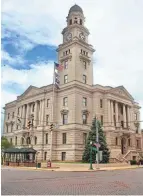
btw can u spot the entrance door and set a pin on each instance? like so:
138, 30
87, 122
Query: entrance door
63, 156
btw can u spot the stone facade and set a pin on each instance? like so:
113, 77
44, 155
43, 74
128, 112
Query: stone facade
72, 107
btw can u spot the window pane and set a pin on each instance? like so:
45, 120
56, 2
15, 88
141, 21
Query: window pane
65, 118
84, 79
47, 119
64, 138
84, 118
66, 64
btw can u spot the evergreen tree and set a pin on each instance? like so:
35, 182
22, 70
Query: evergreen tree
5, 143
102, 142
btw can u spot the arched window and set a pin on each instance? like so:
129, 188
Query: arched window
28, 140
35, 140
116, 141
80, 21
16, 140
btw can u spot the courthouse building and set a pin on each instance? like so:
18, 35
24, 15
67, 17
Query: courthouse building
72, 106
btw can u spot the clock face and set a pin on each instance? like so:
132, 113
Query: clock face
82, 36
68, 37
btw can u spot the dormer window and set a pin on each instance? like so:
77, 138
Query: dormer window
80, 22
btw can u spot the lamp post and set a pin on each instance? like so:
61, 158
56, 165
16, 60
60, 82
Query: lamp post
97, 142
91, 168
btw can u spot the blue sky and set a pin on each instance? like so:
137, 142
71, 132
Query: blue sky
31, 32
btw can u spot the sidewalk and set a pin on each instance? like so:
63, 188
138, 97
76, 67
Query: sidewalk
77, 169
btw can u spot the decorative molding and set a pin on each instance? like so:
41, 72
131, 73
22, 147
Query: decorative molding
85, 111
64, 111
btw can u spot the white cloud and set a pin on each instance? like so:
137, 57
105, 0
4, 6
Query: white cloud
11, 60
39, 75
116, 29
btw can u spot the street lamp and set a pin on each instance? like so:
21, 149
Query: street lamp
91, 168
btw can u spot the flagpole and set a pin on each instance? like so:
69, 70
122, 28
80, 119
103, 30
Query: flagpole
52, 113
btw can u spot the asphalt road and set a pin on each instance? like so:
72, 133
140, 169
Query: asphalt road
119, 182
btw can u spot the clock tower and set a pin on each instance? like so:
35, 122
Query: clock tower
75, 53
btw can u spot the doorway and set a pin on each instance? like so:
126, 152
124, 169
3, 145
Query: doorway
63, 156
123, 145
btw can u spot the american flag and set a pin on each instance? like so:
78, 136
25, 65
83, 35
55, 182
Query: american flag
58, 66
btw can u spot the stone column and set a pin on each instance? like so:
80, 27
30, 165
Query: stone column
109, 113
124, 116
116, 113
27, 113
35, 114
40, 117
23, 116
128, 114
42, 114
112, 112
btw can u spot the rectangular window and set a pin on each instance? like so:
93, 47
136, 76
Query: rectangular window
114, 120
65, 119
84, 79
47, 119
65, 79
48, 102
101, 103
11, 140
65, 101
136, 116
70, 21
66, 64
46, 138
101, 119
8, 116
6, 128
63, 156
84, 64
11, 127
84, 101
84, 119
84, 138
13, 115
45, 156
18, 110
64, 138
137, 144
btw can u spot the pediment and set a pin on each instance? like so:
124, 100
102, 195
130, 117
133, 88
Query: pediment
121, 91
31, 90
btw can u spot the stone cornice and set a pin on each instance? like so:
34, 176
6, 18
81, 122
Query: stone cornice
77, 41
82, 28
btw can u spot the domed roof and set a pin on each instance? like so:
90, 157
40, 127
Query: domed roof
75, 8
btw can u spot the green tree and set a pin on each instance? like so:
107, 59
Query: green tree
5, 143
102, 142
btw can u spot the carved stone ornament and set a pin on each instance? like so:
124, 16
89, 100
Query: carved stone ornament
85, 111
64, 111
